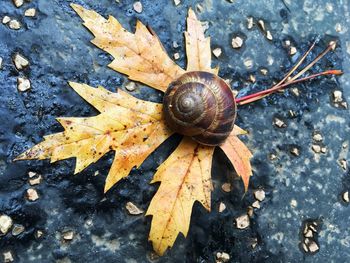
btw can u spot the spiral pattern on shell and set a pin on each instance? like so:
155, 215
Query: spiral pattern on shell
201, 105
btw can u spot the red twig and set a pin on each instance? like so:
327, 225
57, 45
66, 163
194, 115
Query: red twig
288, 80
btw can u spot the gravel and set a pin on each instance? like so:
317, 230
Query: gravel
5, 224
133, 209
242, 222
59, 50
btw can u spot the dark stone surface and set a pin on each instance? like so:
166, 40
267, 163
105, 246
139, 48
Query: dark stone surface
298, 189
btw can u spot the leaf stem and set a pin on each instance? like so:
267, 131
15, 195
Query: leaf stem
288, 80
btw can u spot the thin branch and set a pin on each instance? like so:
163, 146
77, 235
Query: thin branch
259, 95
288, 80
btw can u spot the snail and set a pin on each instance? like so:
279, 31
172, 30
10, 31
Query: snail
200, 105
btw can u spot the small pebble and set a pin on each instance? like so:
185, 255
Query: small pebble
261, 23
295, 151
270, 60
272, 156
226, 187
343, 164
39, 234
259, 195
35, 181
131, 86
222, 207
346, 197
292, 51
295, 91
264, 71
8, 257
176, 56
254, 243
252, 78
138, 7
309, 233
338, 27
68, 235
337, 96
293, 203
14, 24
199, 8
5, 224
1, 63
323, 149
313, 247
175, 44
32, 174
329, 7
217, 52
177, 2
292, 113
248, 63
287, 43
269, 35
279, 123
306, 228
17, 3
316, 148
6, 19
250, 211
205, 25
237, 42
17, 229
31, 12
242, 222
32, 195
20, 61
250, 22
23, 84
133, 209
256, 204
313, 228
222, 257
306, 249
317, 137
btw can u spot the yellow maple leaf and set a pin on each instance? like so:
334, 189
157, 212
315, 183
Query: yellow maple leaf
134, 128
140, 56
185, 178
198, 50
239, 155
131, 127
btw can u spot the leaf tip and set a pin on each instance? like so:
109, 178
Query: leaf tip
107, 187
18, 158
26, 155
72, 83
75, 86
238, 131
157, 246
191, 13
246, 186
77, 8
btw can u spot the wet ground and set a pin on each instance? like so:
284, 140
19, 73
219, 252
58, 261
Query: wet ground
304, 187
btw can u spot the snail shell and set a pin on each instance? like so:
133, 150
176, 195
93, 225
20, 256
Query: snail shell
201, 105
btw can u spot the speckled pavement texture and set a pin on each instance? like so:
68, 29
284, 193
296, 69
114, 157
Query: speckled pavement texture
300, 188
